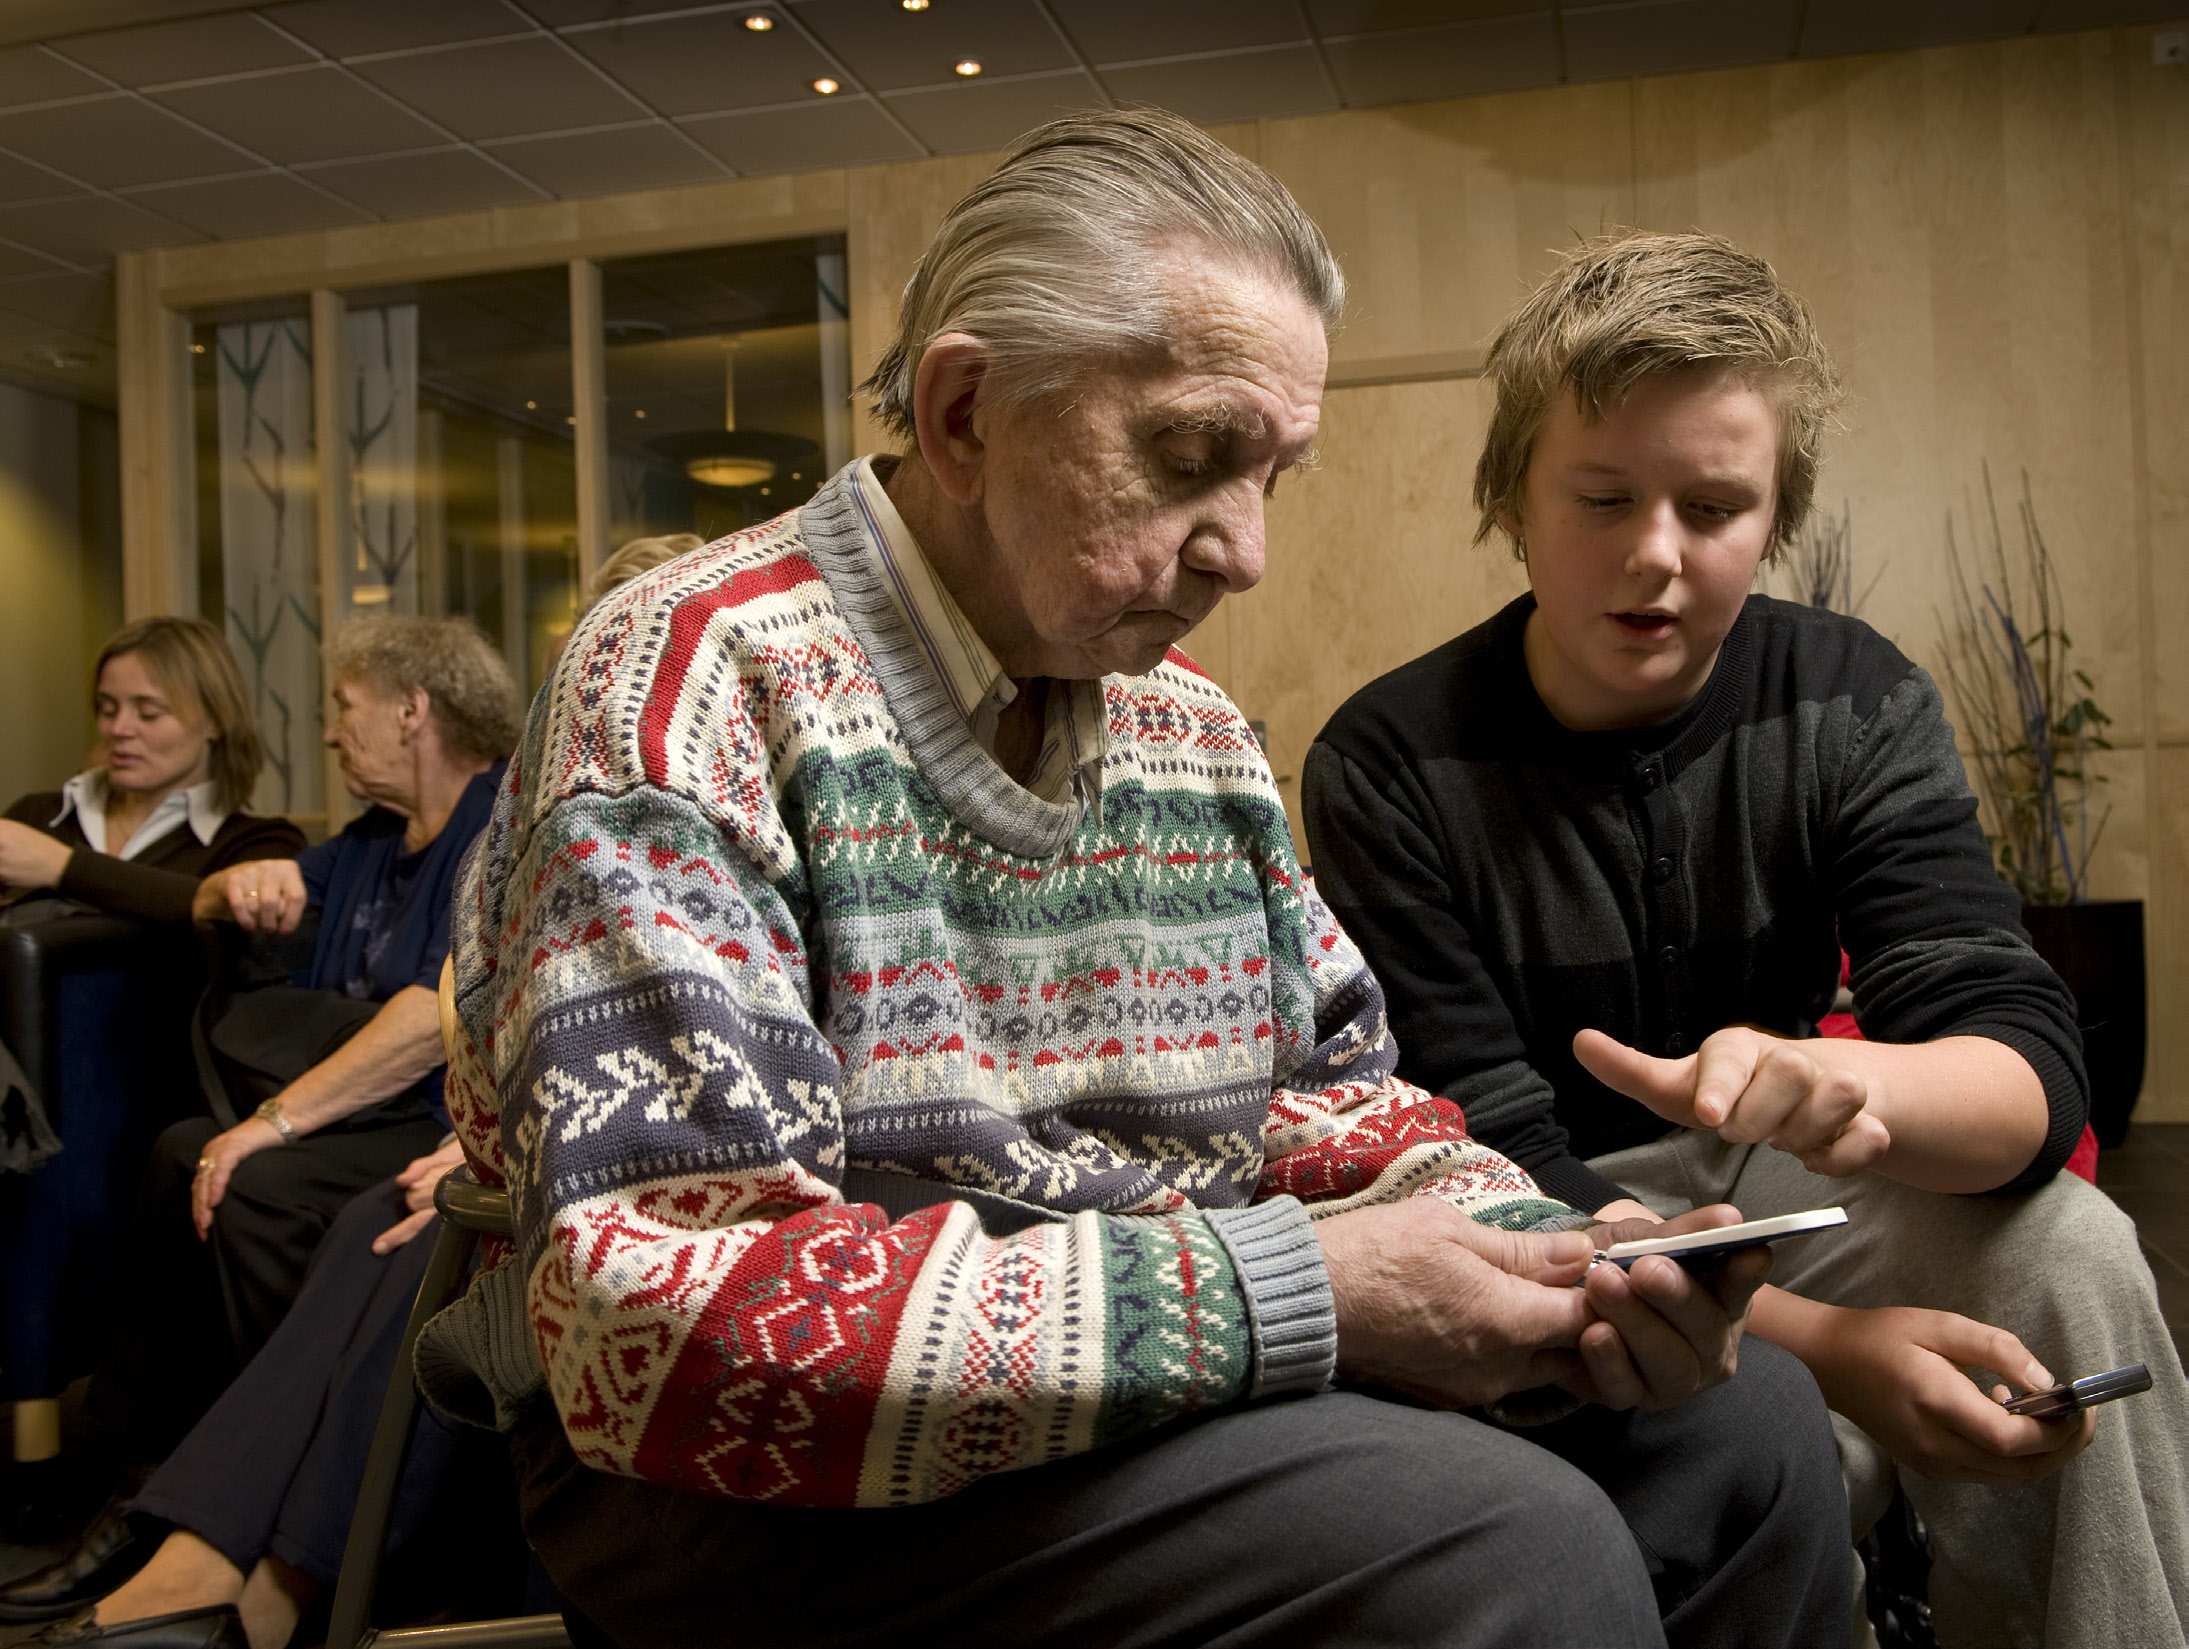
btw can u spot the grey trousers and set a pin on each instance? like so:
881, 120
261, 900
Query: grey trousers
1342, 1521
2096, 1556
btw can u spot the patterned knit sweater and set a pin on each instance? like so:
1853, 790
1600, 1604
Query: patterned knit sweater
761, 949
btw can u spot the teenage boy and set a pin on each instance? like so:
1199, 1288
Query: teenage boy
1603, 852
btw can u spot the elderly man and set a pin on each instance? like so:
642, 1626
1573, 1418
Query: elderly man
942, 1123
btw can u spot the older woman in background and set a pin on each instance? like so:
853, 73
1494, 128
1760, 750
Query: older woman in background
179, 754
425, 715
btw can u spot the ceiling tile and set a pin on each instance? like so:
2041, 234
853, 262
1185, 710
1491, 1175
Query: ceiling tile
29, 75
561, 13
88, 230
692, 65
1675, 36
75, 303
889, 48
1835, 26
848, 133
505, 88
233, 43
416, 186
16, 260
22, 181
1367, 16
112, 142
989, 114
1229, 85
267, 203
1119, 31
319, 113
343, 28
1458, 60
600, 163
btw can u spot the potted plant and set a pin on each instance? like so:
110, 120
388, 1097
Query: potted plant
2032, 725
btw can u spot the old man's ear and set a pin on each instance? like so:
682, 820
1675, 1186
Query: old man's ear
945, 393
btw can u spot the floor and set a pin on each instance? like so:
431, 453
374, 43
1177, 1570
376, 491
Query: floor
2148, 1176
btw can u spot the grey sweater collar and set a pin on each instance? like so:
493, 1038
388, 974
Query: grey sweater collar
978, 793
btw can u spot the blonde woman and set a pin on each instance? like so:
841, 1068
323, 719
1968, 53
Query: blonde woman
178, 755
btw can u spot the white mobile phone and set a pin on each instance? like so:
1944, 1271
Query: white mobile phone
1700, 1245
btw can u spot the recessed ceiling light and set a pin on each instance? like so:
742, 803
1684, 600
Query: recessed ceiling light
640, 413
197, 349
759, 22
969, 68
915, 5
826, 87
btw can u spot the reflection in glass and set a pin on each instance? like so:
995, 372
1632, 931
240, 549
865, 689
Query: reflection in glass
258, 540
728, 399
473, 511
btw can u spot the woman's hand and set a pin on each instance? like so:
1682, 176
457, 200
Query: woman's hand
1897, 1373
217, 1163
259, 896
30, 858
418, 1182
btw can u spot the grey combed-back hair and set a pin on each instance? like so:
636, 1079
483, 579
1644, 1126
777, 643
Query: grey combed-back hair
1056, 261
474, 701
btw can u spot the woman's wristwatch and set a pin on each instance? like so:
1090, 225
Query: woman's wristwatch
269, 1112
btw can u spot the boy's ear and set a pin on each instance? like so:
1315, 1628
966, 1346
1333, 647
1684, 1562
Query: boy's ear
1509, 524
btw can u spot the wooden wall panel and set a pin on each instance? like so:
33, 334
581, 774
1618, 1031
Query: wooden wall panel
1369, 564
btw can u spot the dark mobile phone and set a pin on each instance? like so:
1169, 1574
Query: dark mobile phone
2077, 1395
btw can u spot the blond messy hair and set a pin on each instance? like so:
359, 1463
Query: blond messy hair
1623, 308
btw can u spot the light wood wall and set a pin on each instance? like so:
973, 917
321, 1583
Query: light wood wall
1995, 239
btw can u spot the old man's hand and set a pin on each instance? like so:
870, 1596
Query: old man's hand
1434, 1305
1664, 1332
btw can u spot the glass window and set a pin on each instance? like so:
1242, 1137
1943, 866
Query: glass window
727, 384
258, 553
463, 477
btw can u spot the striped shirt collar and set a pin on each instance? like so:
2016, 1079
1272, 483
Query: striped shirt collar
1076, 736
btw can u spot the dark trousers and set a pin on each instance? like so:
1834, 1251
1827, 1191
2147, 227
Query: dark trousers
189, 1314
275, 1464
1341, 1519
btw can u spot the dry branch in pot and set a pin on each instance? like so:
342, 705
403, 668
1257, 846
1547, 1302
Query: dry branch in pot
2027, 714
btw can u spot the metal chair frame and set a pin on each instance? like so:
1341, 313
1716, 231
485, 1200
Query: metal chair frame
468, 1211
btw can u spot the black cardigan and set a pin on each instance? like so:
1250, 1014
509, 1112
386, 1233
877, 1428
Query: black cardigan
160, 882
1512, 881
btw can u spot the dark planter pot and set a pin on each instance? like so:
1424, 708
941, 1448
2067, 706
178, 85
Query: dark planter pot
2098, 949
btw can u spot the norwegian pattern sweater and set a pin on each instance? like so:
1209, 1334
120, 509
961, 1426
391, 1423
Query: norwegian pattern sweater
1513, 881
760, 943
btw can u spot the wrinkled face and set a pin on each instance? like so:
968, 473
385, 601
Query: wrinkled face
367, 736
152, 742
1644, 531
1117, 520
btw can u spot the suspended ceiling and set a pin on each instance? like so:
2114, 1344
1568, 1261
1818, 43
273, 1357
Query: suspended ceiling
134, 123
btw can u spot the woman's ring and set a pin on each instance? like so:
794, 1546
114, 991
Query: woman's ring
205, 1165
254, 893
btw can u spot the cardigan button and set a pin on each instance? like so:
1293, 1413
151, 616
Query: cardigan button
1675, 1044
1670, 956
1662, 867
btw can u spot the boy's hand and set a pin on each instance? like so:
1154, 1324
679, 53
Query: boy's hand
1896, 1373
1750, 1088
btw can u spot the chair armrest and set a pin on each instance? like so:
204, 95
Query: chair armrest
470, 1206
